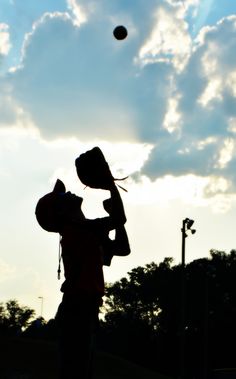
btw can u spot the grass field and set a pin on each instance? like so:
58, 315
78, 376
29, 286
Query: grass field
32, 359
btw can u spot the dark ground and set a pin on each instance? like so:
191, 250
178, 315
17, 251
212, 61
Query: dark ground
34, 359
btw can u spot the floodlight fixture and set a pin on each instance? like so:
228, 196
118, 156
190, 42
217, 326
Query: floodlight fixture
189, 223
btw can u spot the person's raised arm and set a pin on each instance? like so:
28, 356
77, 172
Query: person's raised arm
117, 212
121, 245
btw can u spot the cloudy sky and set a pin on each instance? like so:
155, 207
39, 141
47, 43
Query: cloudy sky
161, 104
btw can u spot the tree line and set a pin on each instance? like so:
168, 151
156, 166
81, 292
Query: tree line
142, 316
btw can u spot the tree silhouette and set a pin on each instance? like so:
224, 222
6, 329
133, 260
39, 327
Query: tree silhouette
42, 329
14, 318
143, 314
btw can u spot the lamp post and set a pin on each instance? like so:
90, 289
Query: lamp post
41, 297
186, 226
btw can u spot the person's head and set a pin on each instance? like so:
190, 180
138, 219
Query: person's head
58, 208
69, 208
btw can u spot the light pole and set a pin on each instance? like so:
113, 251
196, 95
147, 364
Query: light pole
41, 297
186, 226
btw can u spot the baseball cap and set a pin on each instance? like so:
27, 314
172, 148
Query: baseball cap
46, 208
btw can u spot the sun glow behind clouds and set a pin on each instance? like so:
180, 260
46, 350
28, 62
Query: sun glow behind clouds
202, 13
169, 41
189, 189
79, 13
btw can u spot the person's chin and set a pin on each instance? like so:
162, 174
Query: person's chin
79, 200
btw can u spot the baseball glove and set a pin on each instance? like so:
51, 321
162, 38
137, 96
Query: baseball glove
93, 170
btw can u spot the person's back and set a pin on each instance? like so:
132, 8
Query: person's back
82, 260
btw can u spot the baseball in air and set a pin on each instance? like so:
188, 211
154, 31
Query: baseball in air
120, 32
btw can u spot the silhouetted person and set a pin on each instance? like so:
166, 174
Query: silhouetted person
86, 246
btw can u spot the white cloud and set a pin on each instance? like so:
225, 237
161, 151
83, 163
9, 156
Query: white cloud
232, 125
172, 120
205, 142
57, 84
46, 17
5, 44
212, 91
169, 40
79, 13
189, 189
226, 153
183, 7
204, 111
231, 83
14, 116
94, 92
216, 184
217, 60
